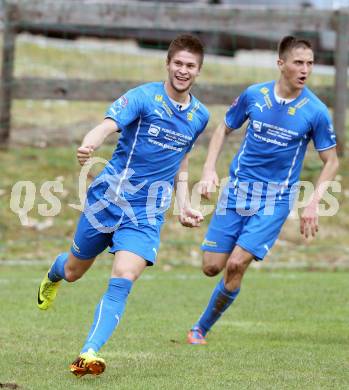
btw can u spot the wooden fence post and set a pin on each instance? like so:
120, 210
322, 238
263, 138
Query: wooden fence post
8, 50
341, 78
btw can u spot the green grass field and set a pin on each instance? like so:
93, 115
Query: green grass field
287, 330
180, 246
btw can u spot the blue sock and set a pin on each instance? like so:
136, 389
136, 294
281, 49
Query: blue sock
219, 302
108, 313
56, 272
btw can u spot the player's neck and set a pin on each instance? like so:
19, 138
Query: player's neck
286, 91
180, 97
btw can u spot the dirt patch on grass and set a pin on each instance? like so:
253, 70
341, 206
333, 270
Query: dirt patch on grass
9, 386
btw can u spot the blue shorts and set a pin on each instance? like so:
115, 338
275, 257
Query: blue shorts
103, 225
256, 233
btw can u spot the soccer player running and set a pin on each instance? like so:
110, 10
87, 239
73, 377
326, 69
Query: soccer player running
283, 116
125, 205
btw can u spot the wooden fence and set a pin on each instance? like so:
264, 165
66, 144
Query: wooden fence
130, 19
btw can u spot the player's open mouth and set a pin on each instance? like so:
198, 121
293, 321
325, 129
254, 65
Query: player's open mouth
302, 79
183, 79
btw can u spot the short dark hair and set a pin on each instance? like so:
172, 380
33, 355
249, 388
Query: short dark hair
290, 42
186, 42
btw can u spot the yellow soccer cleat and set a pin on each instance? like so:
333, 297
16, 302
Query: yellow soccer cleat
87, 363
47, 293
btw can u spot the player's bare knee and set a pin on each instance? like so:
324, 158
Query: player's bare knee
211, 269
235, 268
72, 275
125, 275
210, 266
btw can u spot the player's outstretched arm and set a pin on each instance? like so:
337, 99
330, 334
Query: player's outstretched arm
94, 139
188, 216
209, 178
309, 223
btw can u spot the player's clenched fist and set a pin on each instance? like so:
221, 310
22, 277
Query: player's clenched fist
84, 153
190, 217
208, 183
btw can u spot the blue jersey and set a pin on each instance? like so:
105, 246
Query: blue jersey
154, 139
277, 136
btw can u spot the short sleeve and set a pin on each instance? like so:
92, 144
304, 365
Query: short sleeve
236, 114
127, 108
323, 134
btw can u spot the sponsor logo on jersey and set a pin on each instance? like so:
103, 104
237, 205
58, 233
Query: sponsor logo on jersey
270, 140
159, 112
123, 101
209, 243
268, 101
168, 138
154, 130
76, 248
191, 113
266, 97
167, 109
260, 106
195, 108
118, 105
331, 130
302, 103
257, 126
291, 110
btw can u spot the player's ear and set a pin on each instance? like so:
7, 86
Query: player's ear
280, 62
200, 63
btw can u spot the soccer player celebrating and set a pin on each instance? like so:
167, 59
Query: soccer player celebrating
125, 205
283, 116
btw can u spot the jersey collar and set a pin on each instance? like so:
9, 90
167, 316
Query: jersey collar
169, 102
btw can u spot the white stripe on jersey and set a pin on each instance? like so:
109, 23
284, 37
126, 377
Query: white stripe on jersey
285, 184
238, 167
129, 158
328, 147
